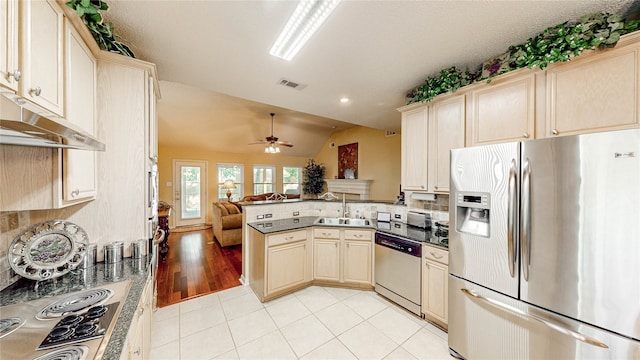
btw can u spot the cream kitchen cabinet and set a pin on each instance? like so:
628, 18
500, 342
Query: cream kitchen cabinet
41, 54
9, 72
280, 262
343, 256
79, 178
326, 254
435, 272
414, 149
598, 91
429, 132
503, 110
446, 132
138, 342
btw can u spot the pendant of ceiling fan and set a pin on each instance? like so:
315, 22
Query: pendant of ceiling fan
272, 140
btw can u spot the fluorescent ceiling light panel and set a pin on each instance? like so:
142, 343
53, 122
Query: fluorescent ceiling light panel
306, 19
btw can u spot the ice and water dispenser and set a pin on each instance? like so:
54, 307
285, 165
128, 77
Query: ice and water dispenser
473, 211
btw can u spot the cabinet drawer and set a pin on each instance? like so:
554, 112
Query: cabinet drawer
357, 234
325, 233
283, 238
435, 254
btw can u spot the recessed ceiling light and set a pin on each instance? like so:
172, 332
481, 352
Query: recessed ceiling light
305, 20
344, 100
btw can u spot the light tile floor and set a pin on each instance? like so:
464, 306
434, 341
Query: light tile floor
313, 323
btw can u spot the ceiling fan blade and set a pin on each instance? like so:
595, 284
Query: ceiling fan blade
284, 143
260, 142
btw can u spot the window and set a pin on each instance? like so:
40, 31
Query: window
264, 179
233, 172
291, 177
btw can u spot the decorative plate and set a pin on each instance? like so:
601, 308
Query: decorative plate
48, 250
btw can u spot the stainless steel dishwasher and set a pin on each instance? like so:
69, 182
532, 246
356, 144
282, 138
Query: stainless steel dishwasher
397, 266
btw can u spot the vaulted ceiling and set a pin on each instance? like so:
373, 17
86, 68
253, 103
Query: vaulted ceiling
219, 83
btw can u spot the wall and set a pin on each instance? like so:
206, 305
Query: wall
168, 154
378, 159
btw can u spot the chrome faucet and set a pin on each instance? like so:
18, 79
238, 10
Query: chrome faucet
345, 209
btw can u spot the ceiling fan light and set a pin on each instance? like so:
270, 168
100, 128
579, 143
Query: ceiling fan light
305, 20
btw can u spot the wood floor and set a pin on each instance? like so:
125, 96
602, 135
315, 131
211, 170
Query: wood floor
197, 265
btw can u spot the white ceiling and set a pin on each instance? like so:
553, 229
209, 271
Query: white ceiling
219, 83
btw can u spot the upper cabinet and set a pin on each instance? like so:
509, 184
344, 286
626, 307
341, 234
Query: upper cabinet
414, 149
152, 120
446, 132
503, 110
429, 132
9, 72
594, 92
79, 166
41, 56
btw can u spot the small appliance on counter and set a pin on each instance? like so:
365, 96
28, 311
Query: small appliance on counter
420, 220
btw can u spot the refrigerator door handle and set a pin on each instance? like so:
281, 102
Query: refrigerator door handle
525, 235
559, 328
511, 217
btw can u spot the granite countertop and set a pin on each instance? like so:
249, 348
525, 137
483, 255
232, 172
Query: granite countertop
289, 201
395, 228
136, 270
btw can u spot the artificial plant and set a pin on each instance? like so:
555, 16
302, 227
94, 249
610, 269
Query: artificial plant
313, 177
89, 12
555, 44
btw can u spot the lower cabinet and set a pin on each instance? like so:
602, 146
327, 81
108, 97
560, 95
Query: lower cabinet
138, 343
279, 262
435, 287
343, 255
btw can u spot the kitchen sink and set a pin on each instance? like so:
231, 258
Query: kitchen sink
342, 221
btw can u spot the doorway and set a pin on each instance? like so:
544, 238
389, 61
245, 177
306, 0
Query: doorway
190, 191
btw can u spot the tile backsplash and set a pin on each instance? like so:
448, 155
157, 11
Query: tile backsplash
11, 225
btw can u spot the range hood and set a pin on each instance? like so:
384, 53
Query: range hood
24, 123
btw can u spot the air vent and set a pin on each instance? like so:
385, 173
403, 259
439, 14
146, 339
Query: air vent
390, 133
291, 84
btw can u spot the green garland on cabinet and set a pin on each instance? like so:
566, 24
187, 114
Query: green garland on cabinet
556, 44
89, 12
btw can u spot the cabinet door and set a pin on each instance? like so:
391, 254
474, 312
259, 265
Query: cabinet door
286, 265
503, 111
41, 56
414, 149
326, 259
599, 92
357, 262
79, 166
435, 291
447, 132
9, 44
152, 119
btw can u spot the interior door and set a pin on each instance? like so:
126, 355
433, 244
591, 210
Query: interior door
190, 192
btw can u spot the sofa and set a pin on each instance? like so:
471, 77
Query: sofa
227, 223
269, 196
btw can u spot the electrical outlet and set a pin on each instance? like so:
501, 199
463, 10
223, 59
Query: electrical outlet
268, 225
296, 221
260, 217
296, 213
267, 216
397, 216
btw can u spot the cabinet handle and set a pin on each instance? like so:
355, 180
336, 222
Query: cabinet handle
435, 255
435, 187
16, 75
75, 192
137, 352
36, 91
555, 132
525, 135
326, 234
336, 244
288, 237
357, 235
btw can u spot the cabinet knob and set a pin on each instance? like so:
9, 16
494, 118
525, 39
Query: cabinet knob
336, 244
555, 132
525, 135
16, 75
75, 192
36, 91
421, 186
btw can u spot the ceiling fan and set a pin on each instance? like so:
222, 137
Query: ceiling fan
273, 145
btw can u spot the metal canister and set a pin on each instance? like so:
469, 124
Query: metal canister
113, 252
90, 257
139, 249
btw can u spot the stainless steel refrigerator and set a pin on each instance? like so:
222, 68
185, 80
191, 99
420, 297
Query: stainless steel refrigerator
545, 249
